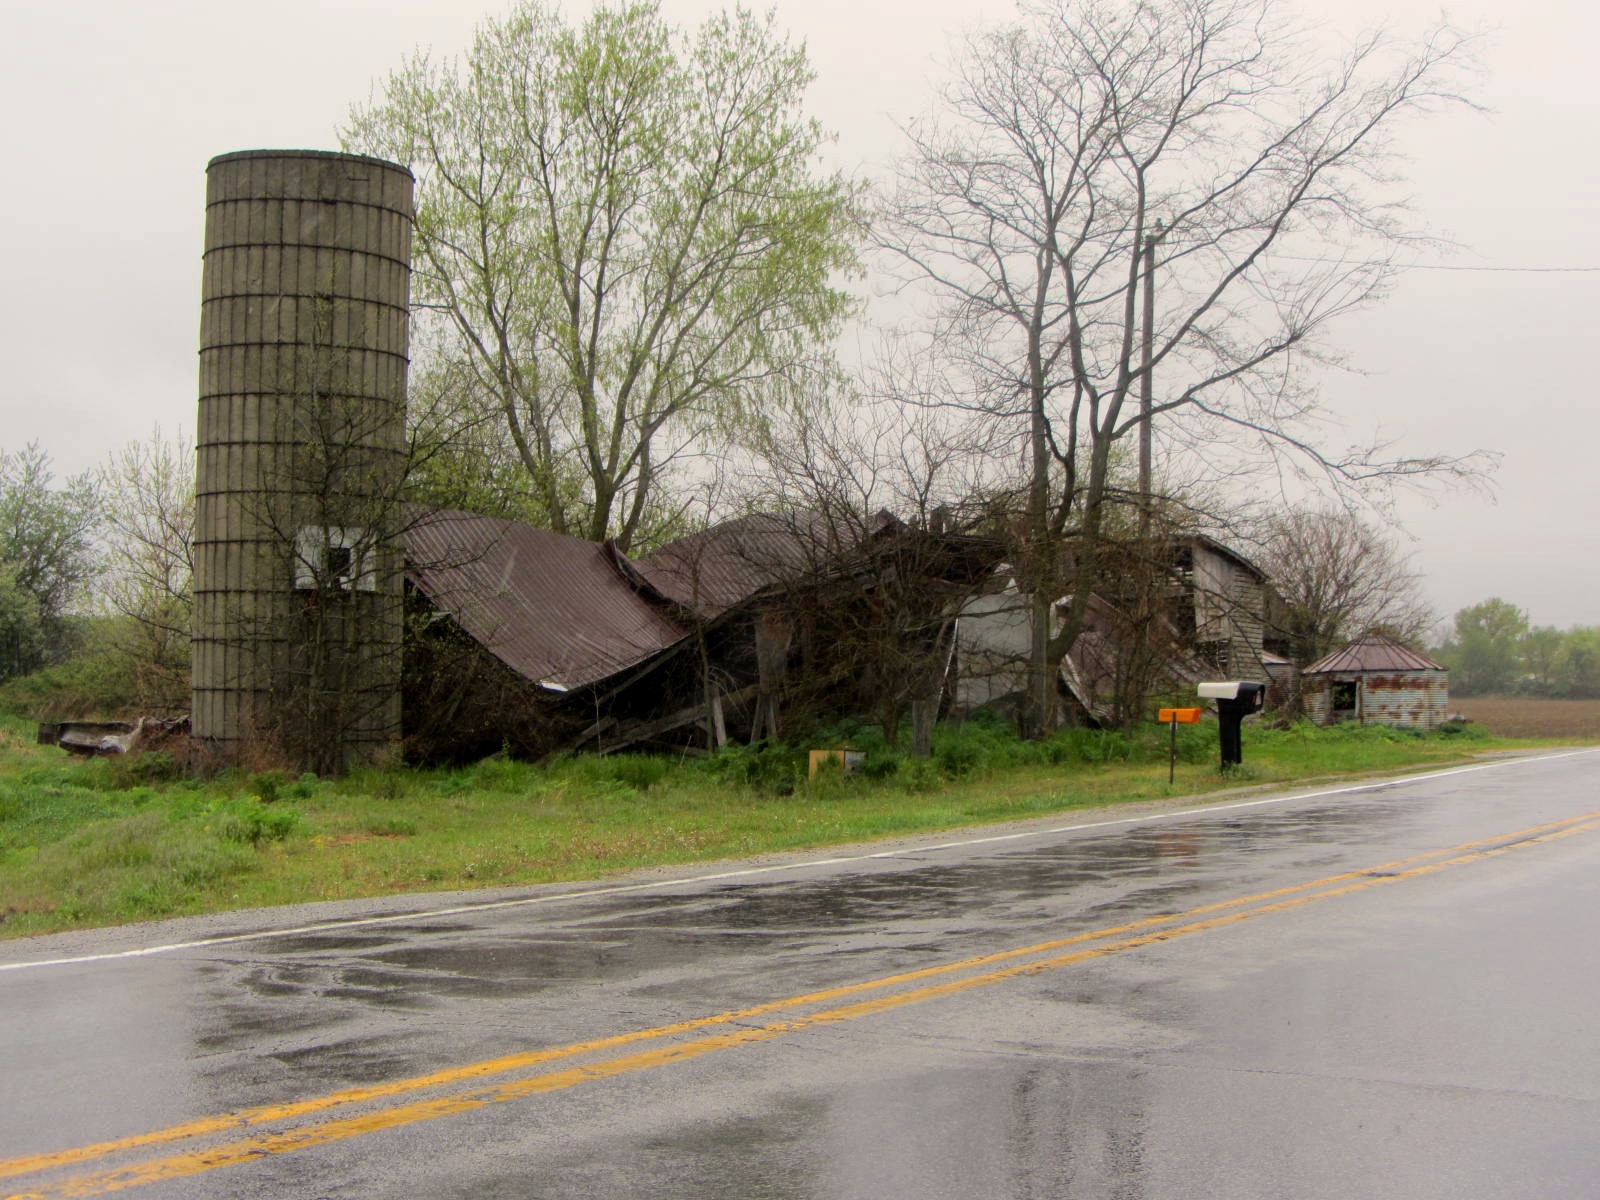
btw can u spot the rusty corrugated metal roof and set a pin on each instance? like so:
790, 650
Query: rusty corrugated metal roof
1373, 652
555, 609
718, 568
711, 571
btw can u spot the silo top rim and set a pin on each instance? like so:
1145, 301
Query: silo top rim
235, 155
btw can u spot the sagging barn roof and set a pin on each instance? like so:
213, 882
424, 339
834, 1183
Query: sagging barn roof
711, 571
569, 614
1099, 657
1373, 652
558, 610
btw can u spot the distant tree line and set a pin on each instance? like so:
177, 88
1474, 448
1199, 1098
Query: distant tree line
94, 579
47, 559
1495, 649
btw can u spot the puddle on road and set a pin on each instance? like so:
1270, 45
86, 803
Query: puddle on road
355, 1061
314, 943
1156, 866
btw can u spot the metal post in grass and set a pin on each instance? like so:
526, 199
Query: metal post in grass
1175, 717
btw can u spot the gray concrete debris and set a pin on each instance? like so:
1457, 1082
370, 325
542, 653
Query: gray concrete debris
109, 737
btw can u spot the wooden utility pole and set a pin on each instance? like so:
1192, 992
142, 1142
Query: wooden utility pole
1146, 380
1145, 551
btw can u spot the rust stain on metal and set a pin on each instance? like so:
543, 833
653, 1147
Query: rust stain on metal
1390, 683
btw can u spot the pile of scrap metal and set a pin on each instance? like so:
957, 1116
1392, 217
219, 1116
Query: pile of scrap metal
111, 737
533, 641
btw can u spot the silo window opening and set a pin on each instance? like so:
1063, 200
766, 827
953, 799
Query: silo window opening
333, 559
339, 563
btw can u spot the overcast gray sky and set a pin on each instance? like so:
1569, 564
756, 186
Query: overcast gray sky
112, 110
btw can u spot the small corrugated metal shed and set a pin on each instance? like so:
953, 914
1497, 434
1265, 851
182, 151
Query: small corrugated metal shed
1376, 680
560, 611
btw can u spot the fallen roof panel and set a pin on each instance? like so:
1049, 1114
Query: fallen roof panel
711, 571
555, 609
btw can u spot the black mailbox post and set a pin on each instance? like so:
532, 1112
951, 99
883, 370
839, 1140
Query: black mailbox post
1236, 699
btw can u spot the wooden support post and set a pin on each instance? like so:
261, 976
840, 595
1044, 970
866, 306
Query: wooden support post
922, 712
719, 727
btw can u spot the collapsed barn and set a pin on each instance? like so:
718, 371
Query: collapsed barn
1158, 620
525, 638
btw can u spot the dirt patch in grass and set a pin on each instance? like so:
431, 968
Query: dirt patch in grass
1530, 717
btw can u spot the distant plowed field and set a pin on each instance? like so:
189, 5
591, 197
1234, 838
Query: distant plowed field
1524, 716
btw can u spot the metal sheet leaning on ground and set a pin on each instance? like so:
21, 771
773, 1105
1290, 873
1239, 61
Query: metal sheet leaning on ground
1386, 987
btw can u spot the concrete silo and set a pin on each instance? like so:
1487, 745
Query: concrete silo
301, 451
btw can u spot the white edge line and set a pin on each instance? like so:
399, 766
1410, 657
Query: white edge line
747, 872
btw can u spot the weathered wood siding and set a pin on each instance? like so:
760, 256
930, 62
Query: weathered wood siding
994, 640
1230, 601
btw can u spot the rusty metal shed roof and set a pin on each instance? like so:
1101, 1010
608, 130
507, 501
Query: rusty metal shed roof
1373, 652
555, 609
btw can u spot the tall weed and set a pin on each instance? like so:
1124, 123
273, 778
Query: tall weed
253, 823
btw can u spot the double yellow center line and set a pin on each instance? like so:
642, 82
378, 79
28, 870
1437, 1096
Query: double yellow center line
271, 1129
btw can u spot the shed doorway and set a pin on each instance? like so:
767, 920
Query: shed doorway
1346, 699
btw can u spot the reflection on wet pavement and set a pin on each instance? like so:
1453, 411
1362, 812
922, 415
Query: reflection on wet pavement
1159, 868
298, 993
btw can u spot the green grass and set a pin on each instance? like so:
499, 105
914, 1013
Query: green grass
87, 843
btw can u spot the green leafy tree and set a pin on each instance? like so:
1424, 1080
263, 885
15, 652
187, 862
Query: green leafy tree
627, 236
47, 557
1580, 662
463, 456
147, 491
22, 640
1543, 654
1486, 655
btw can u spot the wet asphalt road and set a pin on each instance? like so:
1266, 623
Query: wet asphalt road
1193, 1021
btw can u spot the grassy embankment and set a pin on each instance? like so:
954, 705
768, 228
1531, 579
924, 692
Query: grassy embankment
85, 843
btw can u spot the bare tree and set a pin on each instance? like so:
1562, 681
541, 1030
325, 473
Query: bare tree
1337, 577
1201, 155
888, 505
